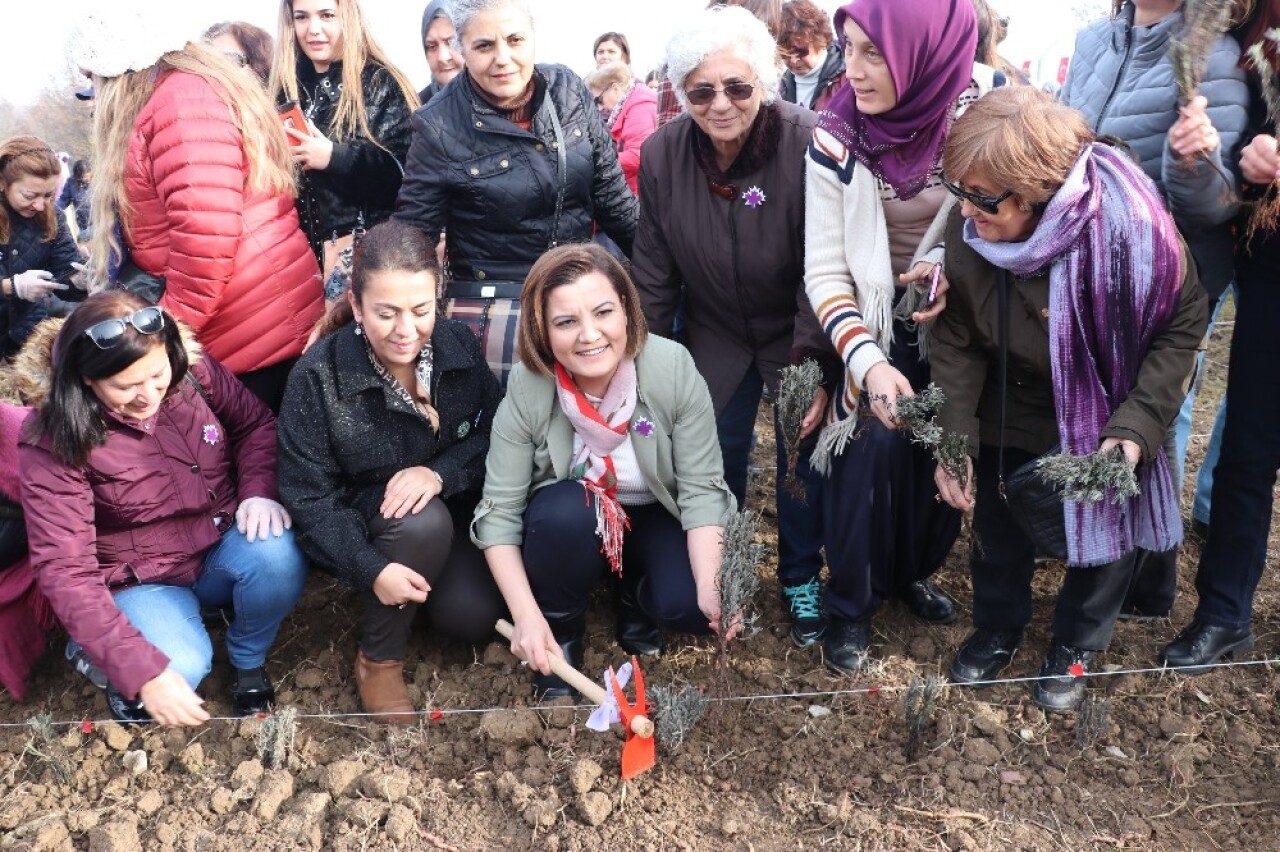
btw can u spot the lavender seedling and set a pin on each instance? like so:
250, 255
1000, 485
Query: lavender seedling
276, 736
1266, 212
796, 391
1088, 479
917, 707
45, 747
676, 712
738, 579
1092, 719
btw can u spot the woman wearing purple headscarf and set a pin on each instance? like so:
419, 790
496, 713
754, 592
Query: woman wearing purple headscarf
874, 210
1063, 248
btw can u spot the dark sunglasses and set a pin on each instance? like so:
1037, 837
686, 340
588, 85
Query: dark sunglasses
108, 333
703, 95
985, 203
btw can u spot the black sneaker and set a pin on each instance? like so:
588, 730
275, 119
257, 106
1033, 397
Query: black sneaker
81, 664
804, 605
124, 710
251, 692
845, 649
1061, 683
984, 654
929, 603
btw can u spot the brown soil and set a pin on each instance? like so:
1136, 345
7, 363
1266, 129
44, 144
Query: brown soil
1177, 763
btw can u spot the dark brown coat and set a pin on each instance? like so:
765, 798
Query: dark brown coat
965, 357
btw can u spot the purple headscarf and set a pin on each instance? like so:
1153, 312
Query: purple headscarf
929, 46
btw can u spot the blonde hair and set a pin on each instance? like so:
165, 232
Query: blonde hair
610, 74
358, 48
1021, 139
28, 156
119, 100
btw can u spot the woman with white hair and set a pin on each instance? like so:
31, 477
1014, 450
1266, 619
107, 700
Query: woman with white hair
723, 218
509, 160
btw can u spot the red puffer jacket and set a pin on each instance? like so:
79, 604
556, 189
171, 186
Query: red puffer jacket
146, 508
635, 123
238, 267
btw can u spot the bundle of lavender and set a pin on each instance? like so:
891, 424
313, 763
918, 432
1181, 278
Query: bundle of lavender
919, 413
796, 391
1266, 213
1204, 22
1088, 479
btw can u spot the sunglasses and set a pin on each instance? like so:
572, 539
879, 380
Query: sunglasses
985, 203
703, 95
108, 333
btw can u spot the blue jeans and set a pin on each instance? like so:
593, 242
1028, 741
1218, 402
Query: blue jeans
261, 580
1182, 429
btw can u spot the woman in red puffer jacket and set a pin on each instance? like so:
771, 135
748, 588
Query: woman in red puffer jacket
630, 111
194, 173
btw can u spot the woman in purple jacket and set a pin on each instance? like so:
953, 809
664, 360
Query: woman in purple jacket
149, 485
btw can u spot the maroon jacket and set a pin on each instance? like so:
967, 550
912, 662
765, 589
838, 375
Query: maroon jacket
145, 508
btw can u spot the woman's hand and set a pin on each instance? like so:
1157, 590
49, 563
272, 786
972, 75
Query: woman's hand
409, 491
1132, 452
949, 489
813, 417
258, 516
1260, 162
883, 385
1193, 133
709, 605
397, 585
170, 700
533, 641
922, 272
34, 284
312, 151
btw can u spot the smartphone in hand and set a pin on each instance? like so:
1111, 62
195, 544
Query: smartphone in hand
291, 116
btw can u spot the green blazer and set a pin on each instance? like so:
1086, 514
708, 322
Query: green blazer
531, 445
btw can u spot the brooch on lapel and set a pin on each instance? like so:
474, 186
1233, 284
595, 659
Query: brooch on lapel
754, 197
643, 427
209, 434
464, 429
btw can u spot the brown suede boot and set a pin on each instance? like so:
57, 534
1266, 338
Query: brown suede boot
382, 690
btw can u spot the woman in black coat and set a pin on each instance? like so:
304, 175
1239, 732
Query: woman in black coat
382, 441
510, 160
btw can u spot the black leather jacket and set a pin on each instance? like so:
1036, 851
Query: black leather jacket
362, 179
492, 185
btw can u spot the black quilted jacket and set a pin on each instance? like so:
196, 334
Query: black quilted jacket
492, 186
362, 179
24, 251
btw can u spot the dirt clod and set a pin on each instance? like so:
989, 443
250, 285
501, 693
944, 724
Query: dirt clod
595, 807
583, 775
511, 728
274, 791
982, 752
117, 836
339, 776
115, 736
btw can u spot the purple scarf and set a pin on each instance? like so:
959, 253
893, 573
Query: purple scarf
1115, 279
929, 47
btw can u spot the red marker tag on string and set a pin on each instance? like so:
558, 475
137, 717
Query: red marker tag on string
86, 727
437, 716
1076, 669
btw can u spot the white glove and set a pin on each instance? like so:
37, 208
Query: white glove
34, 284
259, 517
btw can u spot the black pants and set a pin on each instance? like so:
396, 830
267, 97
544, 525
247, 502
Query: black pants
882, 525
1243, 482
1002, 563
563, 560
268, 383
464, 602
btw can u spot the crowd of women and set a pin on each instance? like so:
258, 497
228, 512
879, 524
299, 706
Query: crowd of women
480, 349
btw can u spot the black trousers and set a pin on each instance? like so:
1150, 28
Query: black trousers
564, 562
1002, 563
882, 526
1243, 482
464, 602
268, 383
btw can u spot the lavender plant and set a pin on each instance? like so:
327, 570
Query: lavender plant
917, 707
796, 391
1266, 212
676, 712
738, 579
1089, 478
276, 736
1204, 23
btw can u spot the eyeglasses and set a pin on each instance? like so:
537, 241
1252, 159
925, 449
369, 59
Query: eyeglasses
796, 51
109, 333
238, 58
703, 95
985, 203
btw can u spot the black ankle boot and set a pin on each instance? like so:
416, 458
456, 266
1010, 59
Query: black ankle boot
569, 632
634, 629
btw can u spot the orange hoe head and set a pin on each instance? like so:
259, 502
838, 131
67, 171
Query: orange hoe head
638, 752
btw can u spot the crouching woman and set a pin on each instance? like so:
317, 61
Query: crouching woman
148, 481
383, 436
604, 463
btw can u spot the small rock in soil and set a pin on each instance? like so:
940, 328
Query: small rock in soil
390, 786
595, 808
222, 800
120, 836
149, 802
1116, 752
135, 762
115, 736
981, 751
1009, 776
583, 776
339, 776
276, 789
985, 719
401, 824
192, 758
817, 711
518, 728
1173, 725
249, 772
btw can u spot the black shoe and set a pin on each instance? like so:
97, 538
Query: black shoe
251, 692
635, 631
1059, 688
124, 710
1199, 646
570, 633
1199, 530
804, 605
984, 654
844, 651
929, 603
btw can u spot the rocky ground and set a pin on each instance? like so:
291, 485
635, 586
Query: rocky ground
1157, 762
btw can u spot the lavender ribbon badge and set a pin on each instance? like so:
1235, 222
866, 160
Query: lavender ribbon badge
209, 434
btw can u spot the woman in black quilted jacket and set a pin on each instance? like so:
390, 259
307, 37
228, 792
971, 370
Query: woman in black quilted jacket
509, 160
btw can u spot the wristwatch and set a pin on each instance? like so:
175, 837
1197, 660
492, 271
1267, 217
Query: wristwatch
438, 477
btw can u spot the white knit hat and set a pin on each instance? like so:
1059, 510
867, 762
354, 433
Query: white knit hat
127, 35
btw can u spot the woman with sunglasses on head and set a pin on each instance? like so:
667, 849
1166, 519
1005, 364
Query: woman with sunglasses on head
193, 194
382, 445
357, 106
148, 482
1068, 278
511, 159
874, 208
245, 45
722, 231
36, 246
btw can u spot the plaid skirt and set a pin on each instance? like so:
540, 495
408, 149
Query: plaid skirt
494, 322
